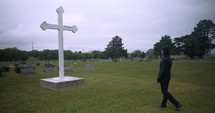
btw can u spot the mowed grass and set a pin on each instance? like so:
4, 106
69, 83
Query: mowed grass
113, 87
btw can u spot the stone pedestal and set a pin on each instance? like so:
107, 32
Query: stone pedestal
57, 83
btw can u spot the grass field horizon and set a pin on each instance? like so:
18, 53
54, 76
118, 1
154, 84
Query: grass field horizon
113, 87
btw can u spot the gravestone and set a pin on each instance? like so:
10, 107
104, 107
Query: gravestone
27, 71
89, 67
67, 68
61, 81
48, 70
48, 65
29, 65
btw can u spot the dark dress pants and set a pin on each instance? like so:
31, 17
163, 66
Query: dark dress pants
167, 95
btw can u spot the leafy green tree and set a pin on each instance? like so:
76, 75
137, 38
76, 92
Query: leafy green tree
96, 54
179, 44
143, 54
191, 46
204, 35
136, 53
115, 48
103, 55
49, 55
23, 55
165, 41
199, 42
34, 53
150, 53
87, 56
68, 55
13, 54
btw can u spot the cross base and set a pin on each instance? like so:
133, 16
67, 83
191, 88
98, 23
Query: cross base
57, 83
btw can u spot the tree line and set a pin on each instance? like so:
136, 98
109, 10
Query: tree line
14, 54
114, 50
194, 45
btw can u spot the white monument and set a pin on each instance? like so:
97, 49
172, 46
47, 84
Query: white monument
61, 81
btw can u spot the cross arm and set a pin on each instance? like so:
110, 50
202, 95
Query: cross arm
45, 26
70, 28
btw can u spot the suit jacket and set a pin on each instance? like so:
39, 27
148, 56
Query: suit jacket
164, 74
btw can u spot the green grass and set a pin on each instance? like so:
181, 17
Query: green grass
113, 87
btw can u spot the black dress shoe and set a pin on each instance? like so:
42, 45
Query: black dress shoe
178, 107
163, 106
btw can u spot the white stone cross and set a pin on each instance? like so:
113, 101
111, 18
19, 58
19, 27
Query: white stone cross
60, 27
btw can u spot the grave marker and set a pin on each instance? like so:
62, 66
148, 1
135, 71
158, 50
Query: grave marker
67, 68
89, 67
48, 70
29, 65
48, 65
27, 71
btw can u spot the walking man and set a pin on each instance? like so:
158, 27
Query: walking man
164, 79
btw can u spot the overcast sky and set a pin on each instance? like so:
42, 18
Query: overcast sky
140, 23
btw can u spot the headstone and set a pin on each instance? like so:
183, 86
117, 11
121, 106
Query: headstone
61, 81
89, 67
67, 68
48, 70
29, 65
48, 65
27, 71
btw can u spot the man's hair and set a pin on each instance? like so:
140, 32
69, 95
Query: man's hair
166, 51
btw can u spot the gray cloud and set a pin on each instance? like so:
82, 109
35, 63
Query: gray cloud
140, 23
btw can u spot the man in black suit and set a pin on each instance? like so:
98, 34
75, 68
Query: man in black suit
164, 78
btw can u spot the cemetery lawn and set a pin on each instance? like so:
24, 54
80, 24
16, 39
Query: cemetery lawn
113, 87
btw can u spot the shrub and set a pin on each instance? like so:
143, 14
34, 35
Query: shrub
1, 71
5, 68
16, 65
18, 69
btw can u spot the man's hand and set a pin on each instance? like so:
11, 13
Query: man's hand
157, 82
